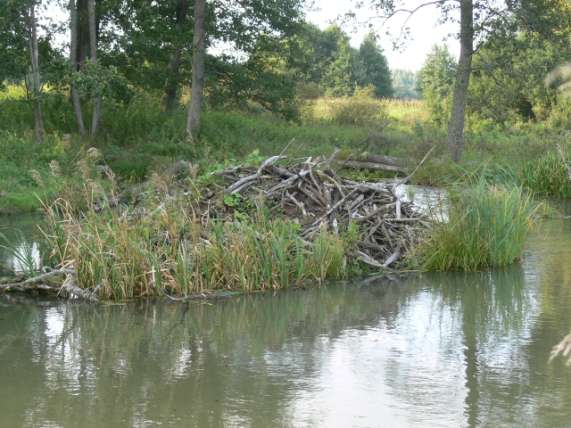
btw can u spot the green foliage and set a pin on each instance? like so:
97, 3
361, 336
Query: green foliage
560, 115
338, 76
436, 83
323, 62
95, 79
375, 68
13, 40
405, 85
505, 91
261, 84
487, 227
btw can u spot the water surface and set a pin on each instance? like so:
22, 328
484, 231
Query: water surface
19, 241
438, 350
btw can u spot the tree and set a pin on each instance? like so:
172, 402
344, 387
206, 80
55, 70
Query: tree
479, 21
509, 75
13, 40
87, 77
375, 67
463, 72
21, 57
198, 54
34, 82
74, 61
96, 115
404, 84
436, 82
173, 77
338, 78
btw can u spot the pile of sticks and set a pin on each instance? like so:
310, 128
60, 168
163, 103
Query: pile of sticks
312, 193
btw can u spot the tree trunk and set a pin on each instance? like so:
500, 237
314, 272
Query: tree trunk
74, 60
198, 54
173, 78
93, 50
457, 118
83, 31
35, 83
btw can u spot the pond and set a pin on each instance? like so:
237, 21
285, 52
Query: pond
432, 350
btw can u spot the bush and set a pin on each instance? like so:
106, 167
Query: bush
362, 109
487, 227
560, 115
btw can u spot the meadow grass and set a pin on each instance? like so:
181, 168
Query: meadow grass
487, 227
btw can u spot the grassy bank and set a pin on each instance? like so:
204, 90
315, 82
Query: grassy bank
138, 139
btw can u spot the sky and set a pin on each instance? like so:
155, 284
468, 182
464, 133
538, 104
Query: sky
424, 26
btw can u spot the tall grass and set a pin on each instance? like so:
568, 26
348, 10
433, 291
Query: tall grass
169, 251
23, 254
487, 227
548, 176
361, 109
407, 111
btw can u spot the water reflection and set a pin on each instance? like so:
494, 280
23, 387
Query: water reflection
432, 350
430, 201
23, 239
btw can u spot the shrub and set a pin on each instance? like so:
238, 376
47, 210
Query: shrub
560, 115
362, 109
487, 227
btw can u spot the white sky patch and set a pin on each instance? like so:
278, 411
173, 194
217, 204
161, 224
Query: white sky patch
425, 31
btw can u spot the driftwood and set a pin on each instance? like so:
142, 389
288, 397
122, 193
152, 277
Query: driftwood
313, 194
355, 164
372, 162
36, 283
563, 349
46, 283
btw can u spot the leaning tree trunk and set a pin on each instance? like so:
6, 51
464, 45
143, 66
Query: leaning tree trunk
93, 50
74, 60
198, 54
457, 118
35, 84
173, 78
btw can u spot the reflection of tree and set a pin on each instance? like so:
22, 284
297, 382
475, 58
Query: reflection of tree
197, 362
551, 270
473, 316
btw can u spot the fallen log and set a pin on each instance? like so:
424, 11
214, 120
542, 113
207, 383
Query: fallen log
39, 283
356, 164
372, 162
47, 283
